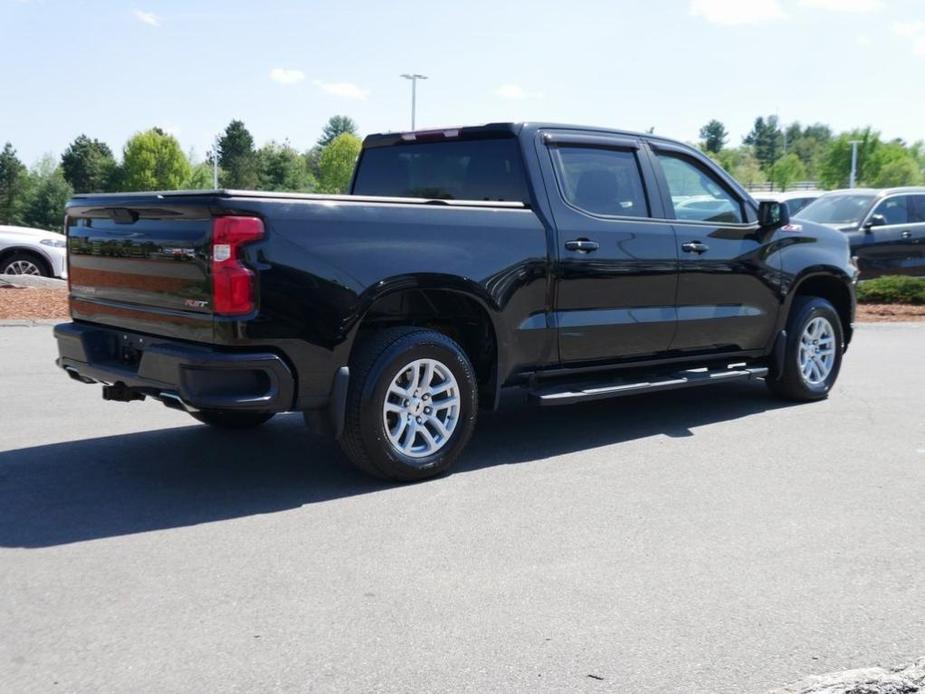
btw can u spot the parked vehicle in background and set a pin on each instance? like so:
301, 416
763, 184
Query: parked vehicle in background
886, 228
796, 199
564, 260
25, 251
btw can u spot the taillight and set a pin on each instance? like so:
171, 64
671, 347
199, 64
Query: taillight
233, 290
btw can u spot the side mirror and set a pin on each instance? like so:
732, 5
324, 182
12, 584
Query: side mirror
773, 214
876, 220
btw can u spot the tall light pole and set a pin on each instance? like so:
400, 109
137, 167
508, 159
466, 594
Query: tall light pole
414, 77
215, 163
852, 182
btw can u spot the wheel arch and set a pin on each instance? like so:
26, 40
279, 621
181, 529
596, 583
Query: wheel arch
831, 285
35, 252
455, 306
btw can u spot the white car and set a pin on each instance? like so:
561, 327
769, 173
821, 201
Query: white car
796, 199
25, 251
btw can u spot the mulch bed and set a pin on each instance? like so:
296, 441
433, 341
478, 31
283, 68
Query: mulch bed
889, 313
18, 303
38, 304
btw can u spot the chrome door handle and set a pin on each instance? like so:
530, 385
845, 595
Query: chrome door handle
694, 247
906, 234
582, 245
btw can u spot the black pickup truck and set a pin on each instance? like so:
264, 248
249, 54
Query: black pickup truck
577, 263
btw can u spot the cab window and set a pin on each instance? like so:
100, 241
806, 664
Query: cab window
698, 195
601, 181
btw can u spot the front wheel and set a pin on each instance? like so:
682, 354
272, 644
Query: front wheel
812, 359
231, 419
24, 263
411, 405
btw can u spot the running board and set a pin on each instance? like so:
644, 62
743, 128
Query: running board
568, 394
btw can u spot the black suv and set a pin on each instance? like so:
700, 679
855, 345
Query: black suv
886, 228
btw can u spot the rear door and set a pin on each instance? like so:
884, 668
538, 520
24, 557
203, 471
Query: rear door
917, 235
617, 261
727, 295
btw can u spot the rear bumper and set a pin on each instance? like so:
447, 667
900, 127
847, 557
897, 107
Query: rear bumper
194, 377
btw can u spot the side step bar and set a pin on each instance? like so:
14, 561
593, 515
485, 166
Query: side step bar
567, 394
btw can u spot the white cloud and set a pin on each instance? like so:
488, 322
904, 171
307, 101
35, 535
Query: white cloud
909, 28
915, 32
148, 18
845, 5
864, 40
737, 11
514, 91
286, 76
348, 90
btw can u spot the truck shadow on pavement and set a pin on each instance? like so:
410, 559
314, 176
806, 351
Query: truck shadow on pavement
117, 485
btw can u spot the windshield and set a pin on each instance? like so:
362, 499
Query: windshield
449, 170
837, 209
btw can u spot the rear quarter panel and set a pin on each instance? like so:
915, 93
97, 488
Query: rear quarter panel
324, 263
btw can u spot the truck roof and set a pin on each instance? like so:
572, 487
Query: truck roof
504, 129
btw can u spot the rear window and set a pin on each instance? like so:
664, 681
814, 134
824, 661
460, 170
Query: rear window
453, 170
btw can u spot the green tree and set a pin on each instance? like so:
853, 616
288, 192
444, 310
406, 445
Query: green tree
809, 144
200, 177
742, 165
835, 168
893, 164
237, 157
899, 172
88, 165
13, 186
336, 163
336, 125
153, 160
786, 171
767, 139
48, 194
282, 168
713, 137
313, 162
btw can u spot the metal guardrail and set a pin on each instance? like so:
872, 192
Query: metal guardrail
769, 187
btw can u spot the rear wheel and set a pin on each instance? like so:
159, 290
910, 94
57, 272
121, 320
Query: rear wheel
231, 419
812, 359
411, 406
22, 263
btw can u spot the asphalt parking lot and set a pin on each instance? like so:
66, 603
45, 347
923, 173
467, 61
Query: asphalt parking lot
700, 541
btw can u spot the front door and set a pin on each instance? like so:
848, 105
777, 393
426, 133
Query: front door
727, 290
891, 238
617, 263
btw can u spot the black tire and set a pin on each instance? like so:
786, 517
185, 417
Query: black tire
790, 383
232, 419
39, 262
376, 362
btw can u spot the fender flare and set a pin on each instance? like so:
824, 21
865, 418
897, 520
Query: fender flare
455, 284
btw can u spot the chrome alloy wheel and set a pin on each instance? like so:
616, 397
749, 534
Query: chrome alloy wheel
22, 267
817, 351
421, 408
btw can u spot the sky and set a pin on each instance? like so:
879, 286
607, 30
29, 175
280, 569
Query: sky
110, 69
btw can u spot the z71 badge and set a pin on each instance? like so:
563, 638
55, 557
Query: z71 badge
196, 303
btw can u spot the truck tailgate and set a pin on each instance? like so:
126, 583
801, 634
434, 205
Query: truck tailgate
142, 263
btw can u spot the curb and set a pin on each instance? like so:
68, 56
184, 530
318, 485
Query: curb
33, 281
29, 323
